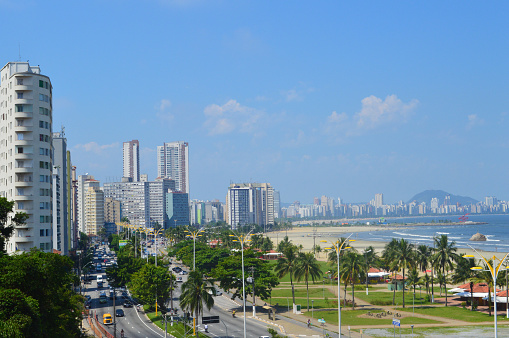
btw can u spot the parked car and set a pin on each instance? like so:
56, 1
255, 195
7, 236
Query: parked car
183, 272
179, 280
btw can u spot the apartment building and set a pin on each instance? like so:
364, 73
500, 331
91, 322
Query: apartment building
26, 152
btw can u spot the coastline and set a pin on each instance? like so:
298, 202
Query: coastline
305, 236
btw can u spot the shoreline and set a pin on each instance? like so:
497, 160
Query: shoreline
307, 237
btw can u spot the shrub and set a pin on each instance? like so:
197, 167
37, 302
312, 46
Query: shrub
381, 302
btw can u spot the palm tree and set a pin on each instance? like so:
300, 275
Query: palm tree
445, 255
196, 292
463, 273
391, 263
287, 264
484, 276
402, 255
351, 265
413, 278
422, 259
307, 266
370, 257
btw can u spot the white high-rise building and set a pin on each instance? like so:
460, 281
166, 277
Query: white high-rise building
248, 203
132, 160
379, 200
173, 162
25, 152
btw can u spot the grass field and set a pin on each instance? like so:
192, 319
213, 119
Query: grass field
317, 303
301, 292
178, 330
351, 317
454, 312
386, 297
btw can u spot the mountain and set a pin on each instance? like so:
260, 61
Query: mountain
427, 195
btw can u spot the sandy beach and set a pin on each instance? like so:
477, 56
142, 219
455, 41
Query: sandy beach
304, 236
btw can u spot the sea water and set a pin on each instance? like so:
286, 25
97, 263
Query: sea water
496, 231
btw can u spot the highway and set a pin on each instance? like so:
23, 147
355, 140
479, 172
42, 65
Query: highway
135, 324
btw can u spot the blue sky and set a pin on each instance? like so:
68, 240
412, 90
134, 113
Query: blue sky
344, 99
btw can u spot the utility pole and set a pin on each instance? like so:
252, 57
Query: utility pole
314, 239
252, 268
114, 314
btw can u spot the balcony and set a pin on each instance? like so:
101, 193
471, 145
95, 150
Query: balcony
24, 239
24, 197
27, 141
24, 115
24, 170
23, 128
24, 182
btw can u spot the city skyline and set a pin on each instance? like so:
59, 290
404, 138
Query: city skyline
342, 100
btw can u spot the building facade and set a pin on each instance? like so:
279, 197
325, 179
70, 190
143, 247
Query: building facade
61, 231
177, 208
173, 162
250, 203
26, 153
131, 157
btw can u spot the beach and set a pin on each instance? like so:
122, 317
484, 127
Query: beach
306, 236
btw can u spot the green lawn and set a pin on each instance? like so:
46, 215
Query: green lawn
317, 304
387, 297
351, 317
176, 329
301, 292
454, 312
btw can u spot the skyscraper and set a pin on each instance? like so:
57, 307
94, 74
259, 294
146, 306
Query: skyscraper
61, 233
173, 162
25, 152
250, 203
131, 155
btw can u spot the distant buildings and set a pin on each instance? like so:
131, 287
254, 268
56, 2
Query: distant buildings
173, 162
250, 203
131, 157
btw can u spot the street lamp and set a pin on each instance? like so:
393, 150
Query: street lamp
367, 268
338, 246
193, 235
243, 239
494, 270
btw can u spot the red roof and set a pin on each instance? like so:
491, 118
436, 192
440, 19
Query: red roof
374, 270
478, 288
502, 294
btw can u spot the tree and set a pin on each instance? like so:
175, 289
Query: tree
152, 283
43, 280
19, 314
286, 265
127, 265
370, 257
196, 292
403, 257
229, 274
422, 259
307, 266
390, 263
7, 223
413, 278
445, 255
351, 265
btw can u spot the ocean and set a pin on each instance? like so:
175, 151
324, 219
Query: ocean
496, 230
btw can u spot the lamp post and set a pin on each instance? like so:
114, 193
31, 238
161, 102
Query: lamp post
157, 233
494, 270
338, 246
367, 268
193, 235
243, 239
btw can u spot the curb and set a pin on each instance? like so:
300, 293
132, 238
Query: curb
281, 327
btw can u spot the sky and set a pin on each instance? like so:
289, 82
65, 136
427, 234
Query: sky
335, 98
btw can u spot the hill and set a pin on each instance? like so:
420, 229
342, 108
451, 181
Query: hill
427, 195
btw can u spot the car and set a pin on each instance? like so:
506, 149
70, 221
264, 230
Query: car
218, 293
119, 313
177, 269
183, 272
179, 280
88, 298
127, 304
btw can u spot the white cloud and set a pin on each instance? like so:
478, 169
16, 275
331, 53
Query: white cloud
292, 95
163, 110
376, 112
232, 116
473, 121
96, 148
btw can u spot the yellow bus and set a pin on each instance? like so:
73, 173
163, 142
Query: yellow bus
107, 319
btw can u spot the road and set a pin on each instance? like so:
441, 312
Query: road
135, 324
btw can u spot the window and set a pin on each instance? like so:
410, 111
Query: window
42, 232
41, 164
41, 97
46, 125
20, 95
47, 230
21, 206
46, 85
41, 83
19, 136
41, 205
20, 82
19, 108
41, 178
46, 138
41, 124
20, 150
41, 151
